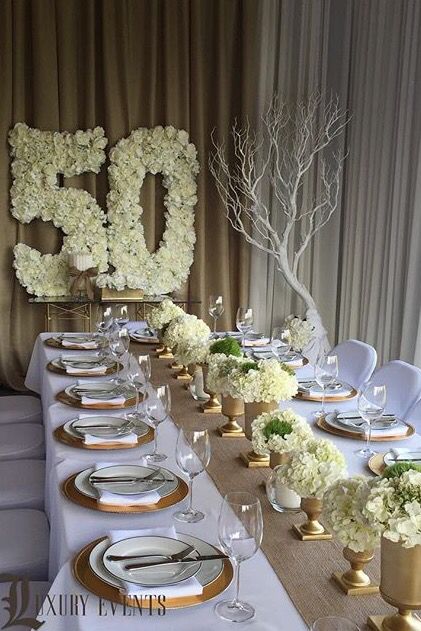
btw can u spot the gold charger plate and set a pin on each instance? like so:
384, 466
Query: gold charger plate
90, 581
376, 464
62, 371
70, 491
56, 344
63, 397
64, 437
321, 423
345, 397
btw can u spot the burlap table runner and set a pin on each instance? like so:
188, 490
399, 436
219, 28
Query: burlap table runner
304, 568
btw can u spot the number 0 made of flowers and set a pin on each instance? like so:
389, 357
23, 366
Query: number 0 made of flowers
162, 150
38, 157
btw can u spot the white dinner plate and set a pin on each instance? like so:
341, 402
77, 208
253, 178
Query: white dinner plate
154, 549
117, 427
140, 428
82, 365
209, 571
85, 487
99, 390
334, 422
135, 471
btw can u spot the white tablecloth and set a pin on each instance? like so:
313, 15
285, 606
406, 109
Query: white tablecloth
73, 526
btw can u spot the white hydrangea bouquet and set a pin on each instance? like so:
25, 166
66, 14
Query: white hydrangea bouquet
188, 336
282, 431
343, 505
311, 472
393, 506
300, 331
220, 368
266, 380
161, 316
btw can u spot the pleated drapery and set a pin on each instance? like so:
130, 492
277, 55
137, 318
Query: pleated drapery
122, 64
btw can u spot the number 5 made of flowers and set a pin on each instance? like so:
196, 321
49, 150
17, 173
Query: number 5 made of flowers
38, 157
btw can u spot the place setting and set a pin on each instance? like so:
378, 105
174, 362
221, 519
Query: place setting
399, 455
325, 386
125, 488
84, 365
144, 335
104, 432
77, 341
100, 395
125, 565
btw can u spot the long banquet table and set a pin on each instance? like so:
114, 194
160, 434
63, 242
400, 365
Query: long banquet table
284, 568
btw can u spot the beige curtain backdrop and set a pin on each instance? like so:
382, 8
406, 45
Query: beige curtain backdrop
122, 64
363, 268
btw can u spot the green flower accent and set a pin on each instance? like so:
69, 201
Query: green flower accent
227, 346
247, 366
396, 470
275, 426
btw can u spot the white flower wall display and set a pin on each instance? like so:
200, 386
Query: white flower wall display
38, 157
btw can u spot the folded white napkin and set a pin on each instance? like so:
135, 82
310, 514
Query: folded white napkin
96, 370
88, 439
107, 497
86, 345
189, 587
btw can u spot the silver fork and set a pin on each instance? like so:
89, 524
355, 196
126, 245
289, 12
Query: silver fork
174, 557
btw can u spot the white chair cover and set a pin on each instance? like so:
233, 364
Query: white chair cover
24, 543
356, 361
403, 384
23, 440
22, 484
414, 415
20, 409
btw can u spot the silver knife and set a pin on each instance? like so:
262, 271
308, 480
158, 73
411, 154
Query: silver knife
209, 557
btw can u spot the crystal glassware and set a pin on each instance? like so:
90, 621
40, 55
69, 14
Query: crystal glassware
240, 529
119, 342
192, 454
244, 322
280, 341
138, 374
371, 406
216, 309
157, 406
325, 374
334, 623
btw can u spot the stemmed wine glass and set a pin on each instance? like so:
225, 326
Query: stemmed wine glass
240, 528
121, 315
280, 342
139, 374
244, 322
325, 374
104, 319
371, 406
157, 406
192, 454
119, 345
216, 309
334, 623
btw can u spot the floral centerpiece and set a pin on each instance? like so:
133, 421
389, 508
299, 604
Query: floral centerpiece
300, 331
162, 315
280, 432
343, 505
310, 473
393, 507
224, 348
264, 381
187, 335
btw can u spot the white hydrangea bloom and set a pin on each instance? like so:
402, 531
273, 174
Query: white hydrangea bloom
312, 471
300, 434
300, 331
188, 336
162, 315
267, 381
343, 505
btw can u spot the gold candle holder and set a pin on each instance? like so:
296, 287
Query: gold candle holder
183, 374
312, 529
252, 411
400, 586
355, 582
213, 406
232, 409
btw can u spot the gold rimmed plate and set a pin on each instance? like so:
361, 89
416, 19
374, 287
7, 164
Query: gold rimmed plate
66, 397
78, 495
57, 342
57, 368
90, 572
328, 399
72, 440
322, 424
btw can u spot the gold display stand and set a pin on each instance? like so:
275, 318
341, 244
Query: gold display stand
354, 591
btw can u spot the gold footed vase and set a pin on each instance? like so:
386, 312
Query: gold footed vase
213, 406
276, 459
232, 409
252, 411
165, 352
183, 374
400, 586
355, 582
312, 529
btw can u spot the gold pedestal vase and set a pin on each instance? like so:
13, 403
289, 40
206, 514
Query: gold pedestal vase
165, 353
312, 529
252, 411
183, 374
232, 409
213, 406
355, 582
276, 459
400, 586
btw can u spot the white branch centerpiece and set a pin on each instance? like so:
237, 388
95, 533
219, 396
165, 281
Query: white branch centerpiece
294, 140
